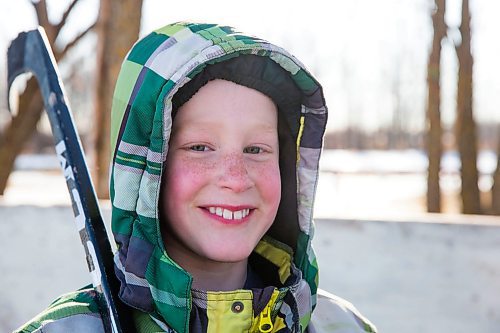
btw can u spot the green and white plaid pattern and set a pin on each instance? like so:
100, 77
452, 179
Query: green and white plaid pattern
153, 71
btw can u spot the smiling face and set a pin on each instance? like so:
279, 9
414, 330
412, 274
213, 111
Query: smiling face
221, 188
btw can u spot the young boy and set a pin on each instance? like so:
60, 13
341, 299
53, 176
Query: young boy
216, 140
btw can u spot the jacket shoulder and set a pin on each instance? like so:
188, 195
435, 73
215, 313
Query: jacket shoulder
334, 314
73, 312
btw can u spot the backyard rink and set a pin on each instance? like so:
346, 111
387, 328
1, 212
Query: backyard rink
414, 273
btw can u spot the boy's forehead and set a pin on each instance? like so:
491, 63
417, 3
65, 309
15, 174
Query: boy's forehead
216, 121
228, 102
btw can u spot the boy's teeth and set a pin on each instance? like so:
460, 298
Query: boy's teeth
218, 211
229, 215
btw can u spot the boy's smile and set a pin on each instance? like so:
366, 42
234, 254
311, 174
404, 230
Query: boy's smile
221, 187
229, 214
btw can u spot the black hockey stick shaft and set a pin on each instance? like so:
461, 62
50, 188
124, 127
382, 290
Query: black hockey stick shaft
31, 52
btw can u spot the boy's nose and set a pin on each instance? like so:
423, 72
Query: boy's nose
234, 174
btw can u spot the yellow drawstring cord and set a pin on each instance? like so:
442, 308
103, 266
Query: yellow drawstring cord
299, 137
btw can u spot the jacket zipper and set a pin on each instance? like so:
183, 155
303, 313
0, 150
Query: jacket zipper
265, 323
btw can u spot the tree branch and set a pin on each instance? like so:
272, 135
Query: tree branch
43, 18
64, 18
37, 6
68, 46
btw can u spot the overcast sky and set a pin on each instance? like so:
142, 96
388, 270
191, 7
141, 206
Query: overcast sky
369, 55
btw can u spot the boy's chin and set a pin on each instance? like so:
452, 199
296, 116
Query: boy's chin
229, 256
229, 252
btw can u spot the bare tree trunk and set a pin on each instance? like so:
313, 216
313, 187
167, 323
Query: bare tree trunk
434, 128
21, 128
495, 189
465, 124
23, 125
119, 25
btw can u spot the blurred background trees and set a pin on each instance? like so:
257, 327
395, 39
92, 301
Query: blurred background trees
465, 124
409, 111
23, 124
465, 130
433, 124
117, 27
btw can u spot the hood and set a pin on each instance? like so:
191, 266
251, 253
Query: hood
156, 68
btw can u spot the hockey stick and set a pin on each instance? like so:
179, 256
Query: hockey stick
31, 52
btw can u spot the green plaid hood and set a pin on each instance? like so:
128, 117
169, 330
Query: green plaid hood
153, 71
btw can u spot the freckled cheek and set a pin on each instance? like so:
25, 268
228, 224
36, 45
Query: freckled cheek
268, 180
186, 175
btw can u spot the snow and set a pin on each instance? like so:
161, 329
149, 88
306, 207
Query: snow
397, 161
407, 276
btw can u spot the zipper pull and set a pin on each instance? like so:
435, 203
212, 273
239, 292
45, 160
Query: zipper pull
265, 323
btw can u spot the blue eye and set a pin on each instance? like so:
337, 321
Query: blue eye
198, 148
253, 150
